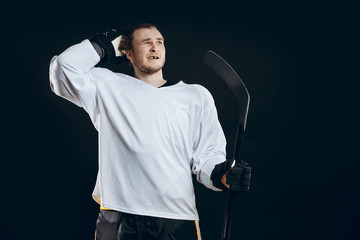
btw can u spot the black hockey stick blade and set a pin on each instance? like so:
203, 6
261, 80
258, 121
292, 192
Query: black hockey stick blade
234, 82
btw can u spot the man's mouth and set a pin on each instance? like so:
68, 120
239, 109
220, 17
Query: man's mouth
154, 57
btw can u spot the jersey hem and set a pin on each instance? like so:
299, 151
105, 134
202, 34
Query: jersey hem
151, 214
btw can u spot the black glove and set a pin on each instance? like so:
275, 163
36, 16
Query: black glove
238, 176
109, 43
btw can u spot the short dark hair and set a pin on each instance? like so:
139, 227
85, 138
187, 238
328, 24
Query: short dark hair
126, 44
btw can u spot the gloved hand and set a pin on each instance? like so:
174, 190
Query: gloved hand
236, 178
109, 43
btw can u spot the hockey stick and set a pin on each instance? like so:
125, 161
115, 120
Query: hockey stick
225, 71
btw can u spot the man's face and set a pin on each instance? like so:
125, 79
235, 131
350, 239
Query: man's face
148, 52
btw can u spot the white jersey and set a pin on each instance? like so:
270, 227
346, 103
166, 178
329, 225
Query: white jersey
150, 139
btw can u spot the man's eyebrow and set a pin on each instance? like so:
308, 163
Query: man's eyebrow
147, 39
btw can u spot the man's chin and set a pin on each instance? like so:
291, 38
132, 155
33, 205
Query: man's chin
149, 68
152, 69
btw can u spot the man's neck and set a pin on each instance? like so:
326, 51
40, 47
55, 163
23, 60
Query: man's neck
155, 79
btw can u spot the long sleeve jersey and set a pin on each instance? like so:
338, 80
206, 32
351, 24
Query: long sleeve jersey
151, 140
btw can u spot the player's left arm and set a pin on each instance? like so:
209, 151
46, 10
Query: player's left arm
209, 157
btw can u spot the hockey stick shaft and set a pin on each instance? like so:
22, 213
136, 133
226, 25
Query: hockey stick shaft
225, 235
228, 216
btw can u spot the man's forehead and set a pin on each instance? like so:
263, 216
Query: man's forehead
147, 33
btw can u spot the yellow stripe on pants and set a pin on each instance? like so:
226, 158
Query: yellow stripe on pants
198, 233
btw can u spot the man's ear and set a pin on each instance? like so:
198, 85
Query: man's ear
129, 55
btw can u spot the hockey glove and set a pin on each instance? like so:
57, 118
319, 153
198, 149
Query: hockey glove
109, 43
238, 176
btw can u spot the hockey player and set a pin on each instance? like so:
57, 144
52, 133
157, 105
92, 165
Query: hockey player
154, 133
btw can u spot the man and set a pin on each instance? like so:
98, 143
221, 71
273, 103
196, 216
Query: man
153, 134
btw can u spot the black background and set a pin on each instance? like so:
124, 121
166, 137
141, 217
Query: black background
298, 61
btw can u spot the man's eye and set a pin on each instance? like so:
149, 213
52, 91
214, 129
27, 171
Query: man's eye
160, 42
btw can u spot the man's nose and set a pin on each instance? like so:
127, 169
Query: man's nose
154, 47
